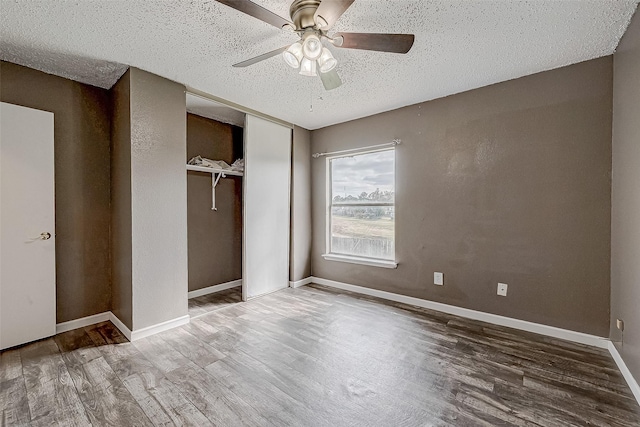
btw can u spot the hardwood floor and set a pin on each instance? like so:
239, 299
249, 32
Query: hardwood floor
314, 356
211, 302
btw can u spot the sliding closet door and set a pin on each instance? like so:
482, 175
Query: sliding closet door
267, 153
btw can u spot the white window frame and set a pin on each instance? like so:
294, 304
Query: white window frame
330, 256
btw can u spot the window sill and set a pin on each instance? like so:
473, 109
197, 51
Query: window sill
362, 261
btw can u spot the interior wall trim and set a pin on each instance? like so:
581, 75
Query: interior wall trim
159, 327
82, 322
237, 107
301, 282
462, 312
130, 335
537, 328
121, 326
92, 320
626, 373
215, 288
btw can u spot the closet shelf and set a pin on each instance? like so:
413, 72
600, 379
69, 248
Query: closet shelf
214, 170
216, 174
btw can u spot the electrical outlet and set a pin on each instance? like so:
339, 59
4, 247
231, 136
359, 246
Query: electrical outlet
438, 278
620, 324
502, 289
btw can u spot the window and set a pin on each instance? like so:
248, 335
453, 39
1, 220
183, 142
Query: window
361, 213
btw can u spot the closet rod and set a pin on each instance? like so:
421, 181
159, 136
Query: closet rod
351, 150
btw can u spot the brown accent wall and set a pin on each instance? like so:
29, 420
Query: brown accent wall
214, 237
82, 134
625, 220
121, 249
507, 183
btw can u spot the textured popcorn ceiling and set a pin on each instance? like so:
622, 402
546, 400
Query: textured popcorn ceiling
460, 45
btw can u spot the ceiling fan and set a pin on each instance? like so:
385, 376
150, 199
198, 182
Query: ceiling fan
312, 21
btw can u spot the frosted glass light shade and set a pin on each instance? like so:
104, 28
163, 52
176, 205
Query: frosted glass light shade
312, 47
308, 67
293, 55
326, 61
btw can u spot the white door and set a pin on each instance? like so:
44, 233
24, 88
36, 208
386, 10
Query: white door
267, 154
27, 241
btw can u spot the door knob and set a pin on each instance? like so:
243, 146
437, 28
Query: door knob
45, 236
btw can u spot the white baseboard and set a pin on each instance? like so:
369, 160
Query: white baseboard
121, 326
149, 330
82, 322
131, 335
299, 283
551, 331
626, 373
159, 327
214, 288
538, 328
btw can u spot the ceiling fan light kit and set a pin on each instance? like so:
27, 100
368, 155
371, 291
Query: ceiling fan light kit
326, 61
293, 55
311, 46
312, 19
296, 56
308, 68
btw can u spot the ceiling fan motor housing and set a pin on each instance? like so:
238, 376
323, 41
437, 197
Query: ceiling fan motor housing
302, 13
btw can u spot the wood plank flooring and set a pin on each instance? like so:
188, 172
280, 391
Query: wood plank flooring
211, 302
314, 356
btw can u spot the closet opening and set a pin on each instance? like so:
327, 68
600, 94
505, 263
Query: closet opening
215, 169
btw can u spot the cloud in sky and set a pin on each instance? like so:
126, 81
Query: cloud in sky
364, 172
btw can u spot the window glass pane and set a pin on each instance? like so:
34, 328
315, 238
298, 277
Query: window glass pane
363, 178
366, 231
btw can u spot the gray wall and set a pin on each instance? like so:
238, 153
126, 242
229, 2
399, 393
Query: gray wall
215, 237
508, 183
158, 199
81, 126
300, 264
625, 221
122, 301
